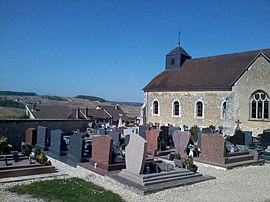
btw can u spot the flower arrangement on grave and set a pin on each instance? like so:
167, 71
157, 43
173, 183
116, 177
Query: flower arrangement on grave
188, 163
26, 151
123, 149
5, 147
41, 157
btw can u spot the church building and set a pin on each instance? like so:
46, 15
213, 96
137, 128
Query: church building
219, 90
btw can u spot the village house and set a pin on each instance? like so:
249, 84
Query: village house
219, 90
100, 114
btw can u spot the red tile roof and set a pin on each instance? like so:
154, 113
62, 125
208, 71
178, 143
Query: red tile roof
209, 73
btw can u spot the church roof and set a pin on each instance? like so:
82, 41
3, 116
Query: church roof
178, 50
208, 73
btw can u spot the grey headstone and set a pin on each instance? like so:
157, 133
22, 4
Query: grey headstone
173, 129
200, 139
127, 137
101, 131
142, 130
248, 138
76, 148
58, 144
136, 154
42, 138
115, 135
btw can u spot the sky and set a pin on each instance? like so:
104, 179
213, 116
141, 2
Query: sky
114, 48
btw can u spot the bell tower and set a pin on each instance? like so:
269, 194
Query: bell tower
176, 57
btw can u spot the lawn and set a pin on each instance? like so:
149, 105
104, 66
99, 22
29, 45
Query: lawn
71, 189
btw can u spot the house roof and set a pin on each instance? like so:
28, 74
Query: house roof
98, 114
208, 73
115, 111
51, 112
178, 50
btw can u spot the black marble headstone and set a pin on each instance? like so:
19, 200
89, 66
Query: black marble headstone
238, 138
164, 133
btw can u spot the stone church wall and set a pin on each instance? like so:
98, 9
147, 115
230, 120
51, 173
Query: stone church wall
256, 78
212, 100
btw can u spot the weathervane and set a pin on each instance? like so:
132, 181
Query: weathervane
179, 33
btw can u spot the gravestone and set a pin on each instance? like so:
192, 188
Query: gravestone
76, 149
58, 146
43, 138
127, 137
142, 130
102, 151
136, 154
238, 138
181, 140
172, 129
200, 139
207, 131
213, 148
102, 131
164, 133
128, 131
31, 137
248, 137
115, 135
152, 141
265, 138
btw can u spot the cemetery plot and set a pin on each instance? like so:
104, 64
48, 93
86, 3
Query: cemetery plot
144, 178
219, 152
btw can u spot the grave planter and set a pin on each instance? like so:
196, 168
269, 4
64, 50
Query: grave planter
193, 168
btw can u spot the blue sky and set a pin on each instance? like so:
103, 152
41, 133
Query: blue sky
112, 48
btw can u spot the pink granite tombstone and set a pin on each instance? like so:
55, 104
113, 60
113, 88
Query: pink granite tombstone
213, 148
136, 154
181, 140
152, 141
31, 137
102, 150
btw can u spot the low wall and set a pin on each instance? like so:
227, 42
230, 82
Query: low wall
15, 129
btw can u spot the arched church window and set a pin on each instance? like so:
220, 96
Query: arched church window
259, 105
155, 107
176, 108
224, 106
199, 109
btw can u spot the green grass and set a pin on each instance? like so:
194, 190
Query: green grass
71, 189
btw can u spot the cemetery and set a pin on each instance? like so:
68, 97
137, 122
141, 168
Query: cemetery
145, 159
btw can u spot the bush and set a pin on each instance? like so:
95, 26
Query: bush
5, 147
194, 130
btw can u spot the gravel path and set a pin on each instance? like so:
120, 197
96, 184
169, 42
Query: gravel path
240, 184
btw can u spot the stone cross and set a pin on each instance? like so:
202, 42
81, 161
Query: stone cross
238, 125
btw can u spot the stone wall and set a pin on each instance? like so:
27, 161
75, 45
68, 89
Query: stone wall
257, 77
15, 129
212, 101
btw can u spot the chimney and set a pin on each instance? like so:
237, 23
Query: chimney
34, 107
85, 111
78, 113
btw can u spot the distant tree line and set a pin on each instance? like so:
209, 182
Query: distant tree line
57, 98
11, 103
137, 104
17, 93
91, 98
